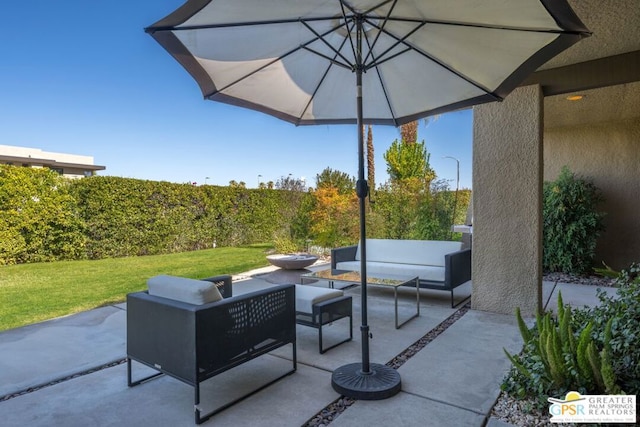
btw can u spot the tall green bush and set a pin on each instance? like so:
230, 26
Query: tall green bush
397, 206
441, 210
39, 218
572, 223
404, 211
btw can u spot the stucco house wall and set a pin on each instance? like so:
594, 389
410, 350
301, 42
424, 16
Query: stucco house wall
507, 204
607, 154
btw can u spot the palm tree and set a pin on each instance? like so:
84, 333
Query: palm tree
409, 132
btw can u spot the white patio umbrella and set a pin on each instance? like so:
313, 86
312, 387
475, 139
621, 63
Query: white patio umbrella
314, 61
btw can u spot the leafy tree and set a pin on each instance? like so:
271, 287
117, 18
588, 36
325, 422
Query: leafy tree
436, 211
341, 181
409, 207
409, 161
291, 184
396, 206
334, 218
404, 212
295, 230
300, 224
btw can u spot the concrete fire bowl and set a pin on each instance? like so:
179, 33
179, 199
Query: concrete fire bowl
292, 261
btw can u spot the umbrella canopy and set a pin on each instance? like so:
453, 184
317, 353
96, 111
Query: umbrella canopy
312, 62
296, 59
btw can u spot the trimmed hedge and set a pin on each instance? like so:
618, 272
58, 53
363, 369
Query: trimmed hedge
39, 218
45, 217
103, 217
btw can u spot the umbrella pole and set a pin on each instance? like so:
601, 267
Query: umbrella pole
362, 190
364, 380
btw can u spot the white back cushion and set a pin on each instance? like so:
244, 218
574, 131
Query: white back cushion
421, 252
182, 289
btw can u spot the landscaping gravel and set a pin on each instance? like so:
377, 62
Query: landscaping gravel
604, 282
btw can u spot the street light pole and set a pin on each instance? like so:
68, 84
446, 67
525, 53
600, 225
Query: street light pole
455, 202
259, 176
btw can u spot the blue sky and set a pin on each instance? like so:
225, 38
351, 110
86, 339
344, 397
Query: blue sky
82, 77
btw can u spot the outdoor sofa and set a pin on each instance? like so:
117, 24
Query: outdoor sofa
189, 330
440, 265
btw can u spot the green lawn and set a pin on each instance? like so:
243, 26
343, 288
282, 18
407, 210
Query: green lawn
32, 293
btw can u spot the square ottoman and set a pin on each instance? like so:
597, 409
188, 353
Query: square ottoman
316, 307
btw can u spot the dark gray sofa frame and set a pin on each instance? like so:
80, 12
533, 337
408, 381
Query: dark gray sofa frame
457, 269
193, 343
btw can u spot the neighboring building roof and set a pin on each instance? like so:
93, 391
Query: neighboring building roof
38, 157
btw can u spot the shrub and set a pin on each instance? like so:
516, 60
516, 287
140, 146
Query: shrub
284, 245
406, 211
334, 218
571, 224
589, 350
556, 359
623, 311
39, 219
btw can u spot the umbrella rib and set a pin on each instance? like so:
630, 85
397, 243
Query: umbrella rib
382, 85
153, 29
346, 65
324, 76
377, 62
435, 60
386, 19
323, 40
378, 6
346, 21
410, 47
302, 46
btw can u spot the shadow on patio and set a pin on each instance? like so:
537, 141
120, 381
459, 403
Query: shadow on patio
49, 375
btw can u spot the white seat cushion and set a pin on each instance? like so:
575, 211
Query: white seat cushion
182, 289
307, 296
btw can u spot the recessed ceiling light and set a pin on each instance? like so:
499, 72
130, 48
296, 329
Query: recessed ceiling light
574, 97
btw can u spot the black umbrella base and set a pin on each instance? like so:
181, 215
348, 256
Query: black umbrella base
381, 382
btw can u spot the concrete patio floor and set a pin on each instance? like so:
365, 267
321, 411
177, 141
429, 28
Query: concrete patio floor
453, 381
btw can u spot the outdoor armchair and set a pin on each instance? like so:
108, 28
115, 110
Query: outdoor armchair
195, 342
223, 283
